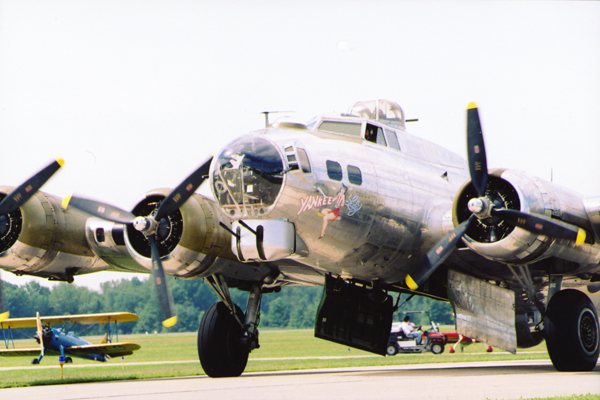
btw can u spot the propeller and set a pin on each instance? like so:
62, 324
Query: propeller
482, 207
4, 315
149, 226
40, 332
20, 195
16, 199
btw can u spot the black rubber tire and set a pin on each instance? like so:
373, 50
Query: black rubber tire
391, 350
437, 348
571, 331
220, 348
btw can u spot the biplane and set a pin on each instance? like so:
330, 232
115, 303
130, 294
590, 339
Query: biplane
63, 342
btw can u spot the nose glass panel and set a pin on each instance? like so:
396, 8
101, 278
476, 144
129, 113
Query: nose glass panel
248, 177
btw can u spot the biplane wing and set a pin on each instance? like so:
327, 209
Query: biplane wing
20, 352
110, 349
82, 319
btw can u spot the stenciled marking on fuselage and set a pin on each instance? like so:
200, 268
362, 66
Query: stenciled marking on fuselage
354, 205
317, 201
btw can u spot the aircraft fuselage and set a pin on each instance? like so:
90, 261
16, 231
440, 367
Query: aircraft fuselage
361, 210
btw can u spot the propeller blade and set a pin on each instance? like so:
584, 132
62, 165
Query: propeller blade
542, 225
4, 315
98, 209
20, 195
40, 332
160, 282
476, 150
177, 197
437, 254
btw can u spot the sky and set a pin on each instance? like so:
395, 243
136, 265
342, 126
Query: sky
135, 95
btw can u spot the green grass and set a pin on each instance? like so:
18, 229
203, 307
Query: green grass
278, 348
574, 397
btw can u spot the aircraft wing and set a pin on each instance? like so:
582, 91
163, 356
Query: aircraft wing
20, 352
83, 319
111, 349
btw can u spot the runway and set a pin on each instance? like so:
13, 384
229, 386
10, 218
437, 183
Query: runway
464, 381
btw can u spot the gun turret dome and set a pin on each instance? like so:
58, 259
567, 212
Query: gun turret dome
380, 110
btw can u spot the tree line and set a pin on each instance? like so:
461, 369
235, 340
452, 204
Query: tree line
291, 308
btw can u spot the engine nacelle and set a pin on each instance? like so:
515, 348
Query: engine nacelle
191, 241
497, 240
41, 238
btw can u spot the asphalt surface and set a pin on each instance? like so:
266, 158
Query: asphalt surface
464, 381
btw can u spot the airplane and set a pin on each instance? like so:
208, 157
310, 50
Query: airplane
64, 342
356, 204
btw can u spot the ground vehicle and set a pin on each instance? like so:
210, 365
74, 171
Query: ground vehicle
433, 340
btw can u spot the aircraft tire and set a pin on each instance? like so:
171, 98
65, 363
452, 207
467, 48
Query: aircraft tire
220, 348
571, 331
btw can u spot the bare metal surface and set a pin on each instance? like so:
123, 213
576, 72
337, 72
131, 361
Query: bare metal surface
483, 311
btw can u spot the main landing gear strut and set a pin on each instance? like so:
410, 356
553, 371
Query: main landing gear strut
226, 336
570, 327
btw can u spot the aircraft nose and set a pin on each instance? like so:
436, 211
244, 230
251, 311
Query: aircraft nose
247, 177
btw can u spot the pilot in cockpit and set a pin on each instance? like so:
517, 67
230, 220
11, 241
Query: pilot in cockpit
371, 134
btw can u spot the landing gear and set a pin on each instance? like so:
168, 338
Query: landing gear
571, 331
226, 336
221, 347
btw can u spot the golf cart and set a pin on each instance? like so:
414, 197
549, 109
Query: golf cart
432, 339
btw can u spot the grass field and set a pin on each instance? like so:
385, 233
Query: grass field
173, 355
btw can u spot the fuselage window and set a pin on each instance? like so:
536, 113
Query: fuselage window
354, 175
334, 170
392, 139
346, 128
304, 163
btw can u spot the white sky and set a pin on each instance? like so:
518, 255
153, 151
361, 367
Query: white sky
136, 94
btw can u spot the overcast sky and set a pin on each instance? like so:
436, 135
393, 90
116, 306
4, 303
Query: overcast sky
134, 95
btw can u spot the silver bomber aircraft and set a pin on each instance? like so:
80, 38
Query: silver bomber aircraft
356, 204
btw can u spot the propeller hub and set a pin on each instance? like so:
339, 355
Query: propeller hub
475, 206
481, 207
146, 225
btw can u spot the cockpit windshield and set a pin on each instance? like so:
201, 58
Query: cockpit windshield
248, 177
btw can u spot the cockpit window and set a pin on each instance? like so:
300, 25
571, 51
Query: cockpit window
392, 139
248, 177
304, 163
374, 134
380, 137
346, 128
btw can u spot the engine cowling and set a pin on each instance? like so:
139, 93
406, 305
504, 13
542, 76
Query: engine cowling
191, 241
40, 239
497, 240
